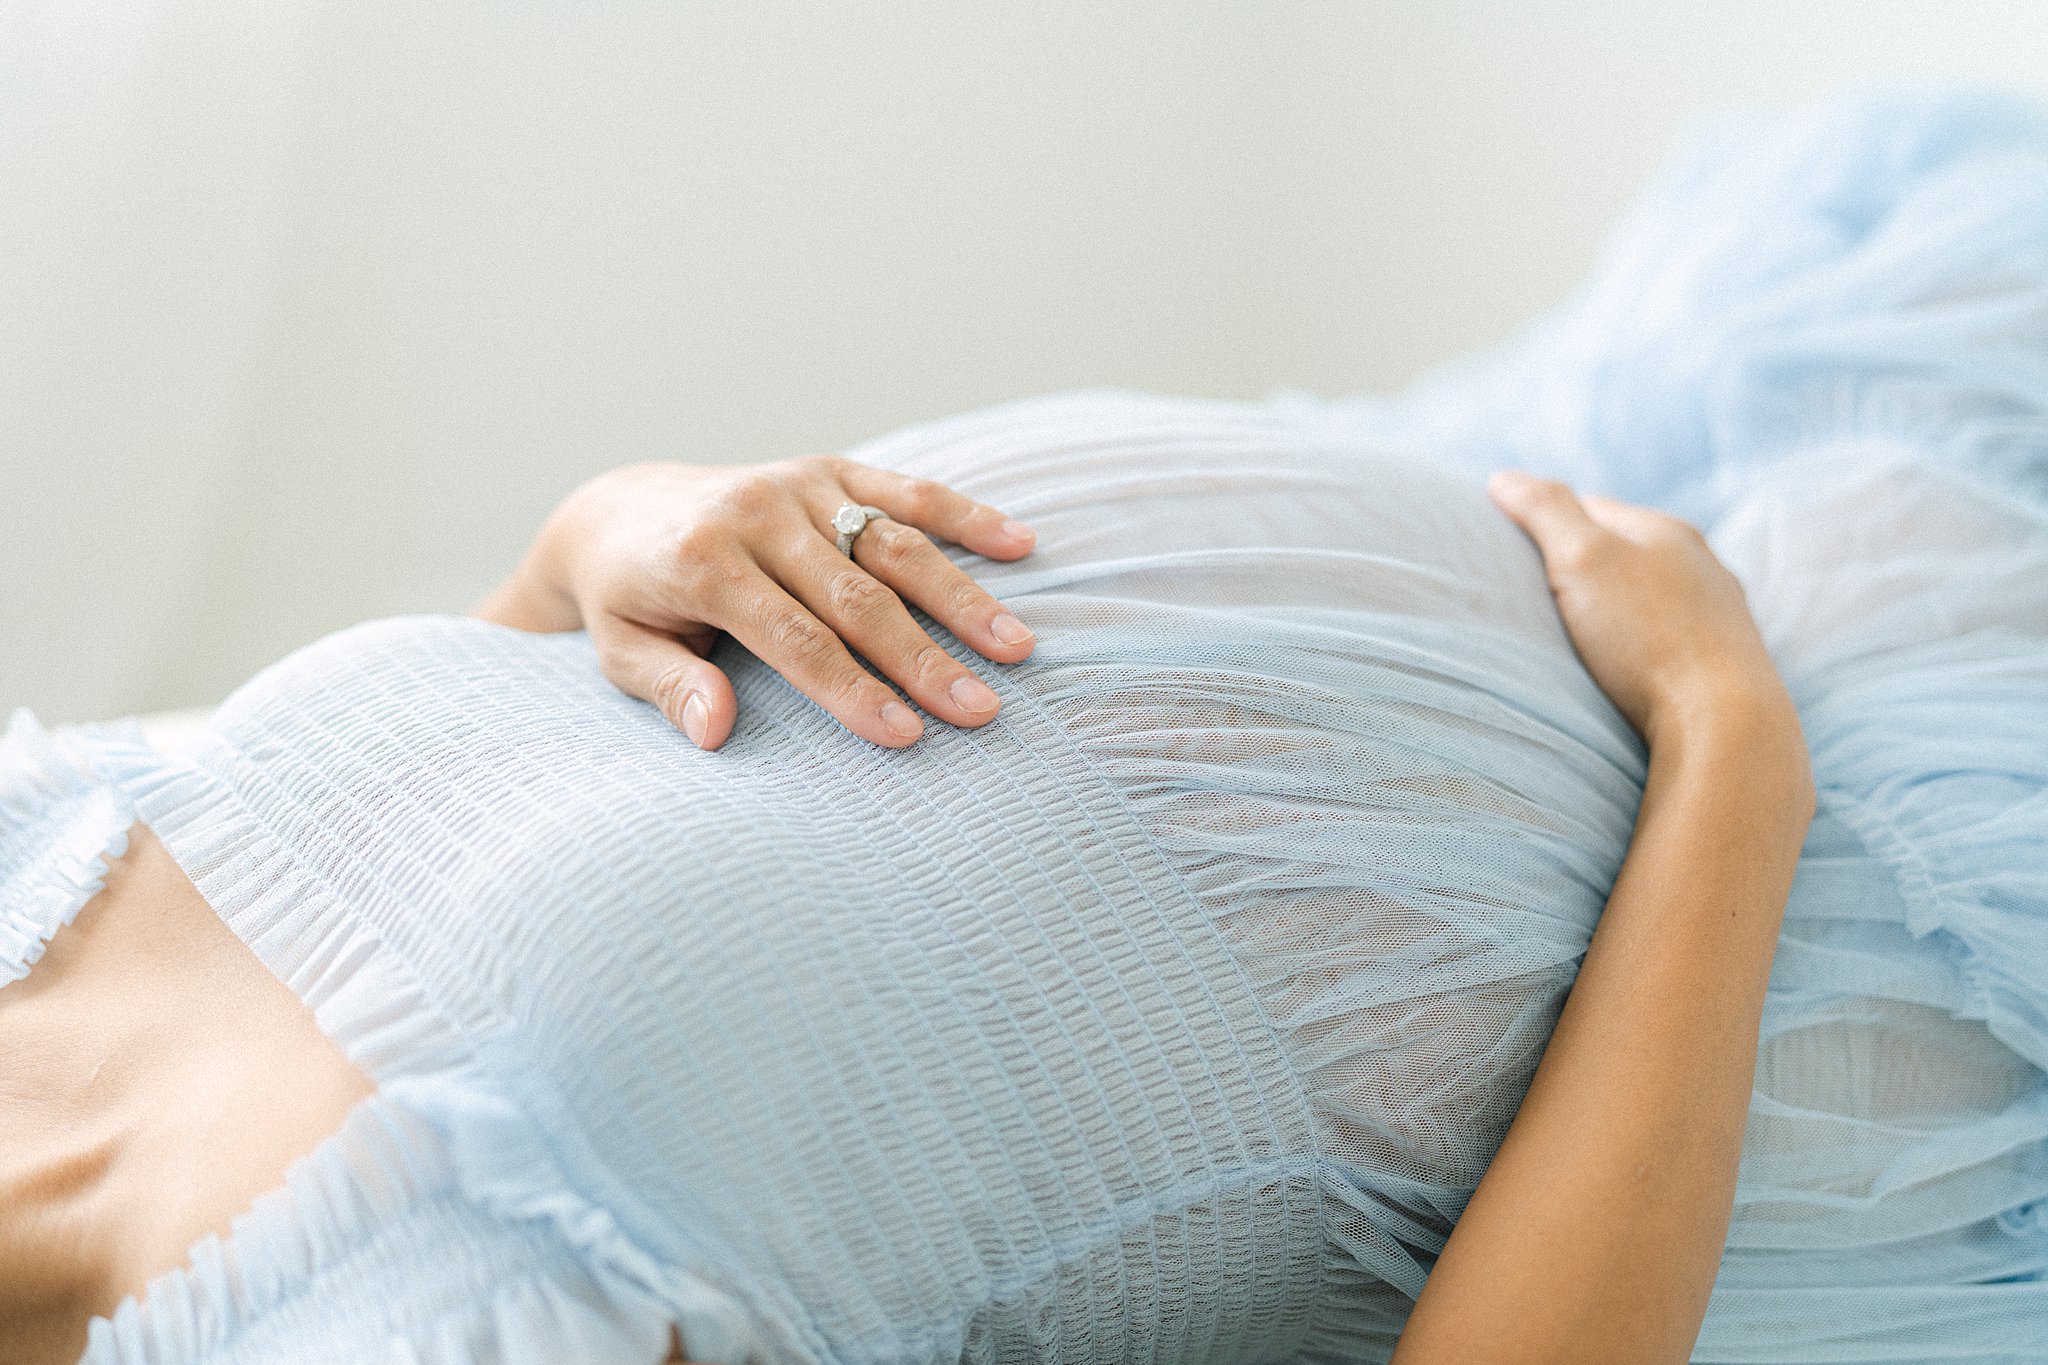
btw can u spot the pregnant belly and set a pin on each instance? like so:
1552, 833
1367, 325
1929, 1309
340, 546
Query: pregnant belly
1249, 915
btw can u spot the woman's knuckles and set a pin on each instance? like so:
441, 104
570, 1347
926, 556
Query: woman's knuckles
751, 504
671, 688
719, 590
853, 596
809, 468
896, 549
926, 504
965, 602
932, 671
801, 638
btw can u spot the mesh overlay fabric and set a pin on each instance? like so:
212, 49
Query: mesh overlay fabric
1175, 1015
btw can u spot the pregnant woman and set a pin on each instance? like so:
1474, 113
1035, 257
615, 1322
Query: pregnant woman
1332, 920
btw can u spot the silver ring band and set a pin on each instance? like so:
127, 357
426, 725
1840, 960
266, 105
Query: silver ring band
850, 520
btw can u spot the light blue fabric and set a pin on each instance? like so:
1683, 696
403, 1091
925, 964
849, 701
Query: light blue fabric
1175, 1015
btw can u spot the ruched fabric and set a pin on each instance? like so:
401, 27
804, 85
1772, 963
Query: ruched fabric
1175, 1015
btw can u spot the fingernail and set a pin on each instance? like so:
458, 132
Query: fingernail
1009, 629
972, 694
901, 720
1017, 530
696, 718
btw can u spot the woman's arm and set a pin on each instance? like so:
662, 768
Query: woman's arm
1597, 1230
655, 561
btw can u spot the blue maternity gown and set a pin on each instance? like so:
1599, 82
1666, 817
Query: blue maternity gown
1175, 1015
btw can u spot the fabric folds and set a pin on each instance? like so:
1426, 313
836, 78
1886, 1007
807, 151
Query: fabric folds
1176, 1014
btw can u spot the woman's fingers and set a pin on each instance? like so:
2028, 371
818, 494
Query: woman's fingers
1548, 511
1640, 524
654, 666
786, 636
656, 559
936, 508
904, 559
868, 615
1659, 622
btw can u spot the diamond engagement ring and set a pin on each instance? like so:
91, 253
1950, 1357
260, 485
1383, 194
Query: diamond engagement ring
850, 520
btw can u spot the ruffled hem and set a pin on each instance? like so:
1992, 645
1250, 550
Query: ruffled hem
386, 1178
60, 831
1962, 829
438, 1131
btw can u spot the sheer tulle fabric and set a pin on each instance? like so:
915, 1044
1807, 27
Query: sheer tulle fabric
1826, 339
1176, 1015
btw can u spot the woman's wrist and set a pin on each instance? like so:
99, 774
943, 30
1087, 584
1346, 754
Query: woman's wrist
1743, 731
1712, 701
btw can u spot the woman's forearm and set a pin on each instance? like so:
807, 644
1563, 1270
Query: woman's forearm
1596, 1233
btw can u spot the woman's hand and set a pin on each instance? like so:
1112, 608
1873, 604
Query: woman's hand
656, 560
1659, 622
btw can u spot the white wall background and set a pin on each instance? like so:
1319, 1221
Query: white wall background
309, 309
